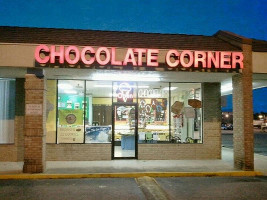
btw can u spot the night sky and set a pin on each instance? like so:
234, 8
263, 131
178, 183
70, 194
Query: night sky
204, 17
259, 101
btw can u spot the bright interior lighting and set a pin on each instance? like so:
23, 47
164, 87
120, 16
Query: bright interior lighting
103, 86
6, 79
65, 86
167, 88
110, 86
143, 86
227, 87
155, 96
70, 92
125, 77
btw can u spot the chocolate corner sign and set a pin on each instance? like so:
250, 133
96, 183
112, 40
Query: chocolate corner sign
134, 56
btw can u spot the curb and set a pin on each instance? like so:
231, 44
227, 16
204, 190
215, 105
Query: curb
129, 175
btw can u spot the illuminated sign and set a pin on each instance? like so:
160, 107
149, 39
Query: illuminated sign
124, 92
134, 57
152, 93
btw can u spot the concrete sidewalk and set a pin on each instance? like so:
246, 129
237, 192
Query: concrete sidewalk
140, 166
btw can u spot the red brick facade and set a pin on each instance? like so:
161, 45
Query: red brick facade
34, 138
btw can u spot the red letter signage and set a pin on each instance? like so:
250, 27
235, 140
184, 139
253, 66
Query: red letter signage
103, 56
38, 50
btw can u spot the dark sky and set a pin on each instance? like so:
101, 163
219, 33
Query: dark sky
202, 17
259, 101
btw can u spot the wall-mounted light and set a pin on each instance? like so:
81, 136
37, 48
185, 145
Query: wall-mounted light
227, 87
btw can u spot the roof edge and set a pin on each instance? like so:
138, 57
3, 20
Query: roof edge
230, 36
113, 31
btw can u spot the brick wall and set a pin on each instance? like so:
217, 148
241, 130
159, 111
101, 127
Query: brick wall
78, 152
243, 136
211, 147
34, 137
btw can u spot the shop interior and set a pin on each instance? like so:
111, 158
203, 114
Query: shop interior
123, 113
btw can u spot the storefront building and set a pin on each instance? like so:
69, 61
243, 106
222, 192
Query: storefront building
80, 95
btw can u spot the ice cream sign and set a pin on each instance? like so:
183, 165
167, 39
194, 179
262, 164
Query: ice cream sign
124, 92
139, 57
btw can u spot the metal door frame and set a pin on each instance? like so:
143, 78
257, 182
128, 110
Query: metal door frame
113, 129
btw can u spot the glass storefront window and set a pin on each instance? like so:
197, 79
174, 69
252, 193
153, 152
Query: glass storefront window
98, 119
167, 112
71, 103
7, 110
153, 112
186, 113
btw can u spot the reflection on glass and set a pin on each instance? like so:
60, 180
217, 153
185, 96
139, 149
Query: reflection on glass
186, 112
153, 113
124, 131
70, 111
7, 110
51, 101
98, 118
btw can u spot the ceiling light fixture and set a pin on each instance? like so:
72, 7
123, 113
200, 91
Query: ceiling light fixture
103, 86
110, 86
70, 92
167, 88
125, 77
227, 87
65, 86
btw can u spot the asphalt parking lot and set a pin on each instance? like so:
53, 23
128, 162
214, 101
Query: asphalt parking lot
128, 188
215, 187
64, 189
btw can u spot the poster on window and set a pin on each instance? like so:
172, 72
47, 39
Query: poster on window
70, 129
70, 117
98, 134
122, 113
153, 109
70, 134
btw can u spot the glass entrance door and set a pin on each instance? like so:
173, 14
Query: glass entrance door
124, 130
